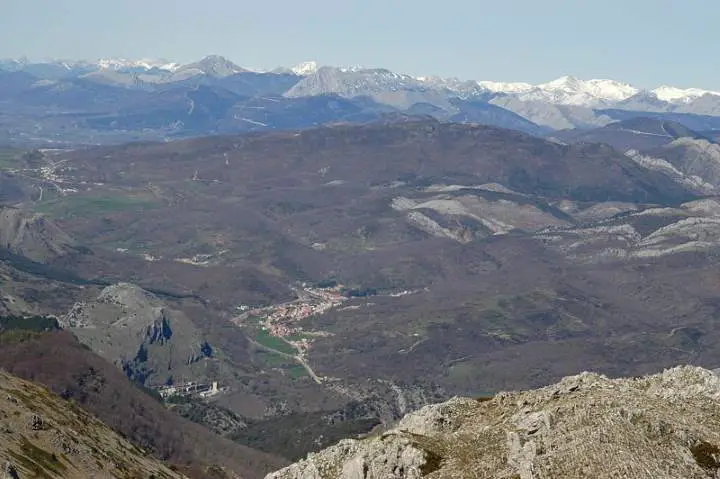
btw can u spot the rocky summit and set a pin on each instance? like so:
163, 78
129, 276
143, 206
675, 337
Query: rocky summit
661, 426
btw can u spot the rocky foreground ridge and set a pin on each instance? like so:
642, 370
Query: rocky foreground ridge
42, 435
661, 426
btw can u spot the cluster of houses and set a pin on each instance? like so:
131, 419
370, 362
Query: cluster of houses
316, 301
282, 320
191, 389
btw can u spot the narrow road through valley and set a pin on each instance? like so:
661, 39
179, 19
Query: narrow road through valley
299, 359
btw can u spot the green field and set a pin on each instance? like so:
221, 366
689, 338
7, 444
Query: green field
299, 336
77, 205
272, 360
276, 361
10, 159
266, 339
297, 371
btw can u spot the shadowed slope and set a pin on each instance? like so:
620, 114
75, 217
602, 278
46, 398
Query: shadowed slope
72, 371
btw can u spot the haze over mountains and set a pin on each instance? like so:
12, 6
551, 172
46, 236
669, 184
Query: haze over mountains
115, 100
322, 250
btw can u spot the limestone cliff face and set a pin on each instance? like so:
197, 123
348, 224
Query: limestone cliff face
139, 332
661, 426
31, 235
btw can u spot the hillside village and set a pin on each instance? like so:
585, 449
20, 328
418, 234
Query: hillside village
281, 321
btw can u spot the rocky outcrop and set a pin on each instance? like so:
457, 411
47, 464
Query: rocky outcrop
690, 180
32, 235
140, 332
651, 232
661, 426
694, 157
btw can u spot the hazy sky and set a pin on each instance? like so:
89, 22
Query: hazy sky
646, 42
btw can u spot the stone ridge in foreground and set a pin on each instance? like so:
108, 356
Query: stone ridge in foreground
661, 426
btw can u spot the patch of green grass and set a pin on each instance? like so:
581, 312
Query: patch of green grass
79, 205
266, 339
298, 337
40, 462
30, 323
10, 159
29, 400
271, 359
288, 365
296, 371
17, 336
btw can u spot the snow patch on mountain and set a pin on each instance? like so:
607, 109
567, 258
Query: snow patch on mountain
305, 68
569, 90
609, 89
460, 88
380, 84
500, 87
673, 94
566, 91
145, 63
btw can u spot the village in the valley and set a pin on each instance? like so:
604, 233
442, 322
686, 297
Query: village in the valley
281, 321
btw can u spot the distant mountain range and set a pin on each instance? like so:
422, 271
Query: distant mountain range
113, 100
566, 90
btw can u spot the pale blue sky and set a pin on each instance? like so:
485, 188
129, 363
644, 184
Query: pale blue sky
646, 42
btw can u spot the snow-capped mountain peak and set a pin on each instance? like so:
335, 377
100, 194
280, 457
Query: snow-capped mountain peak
382, 83
610, 89
305, 68
567, 90
600, 89
145, 63
502, 87
672, 94
566, 83
457, 87
355, 68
